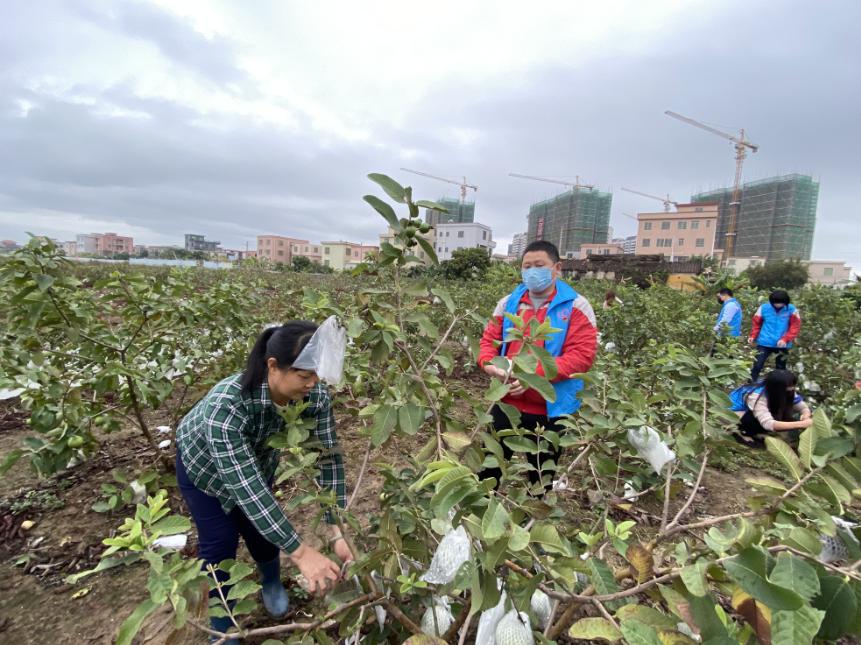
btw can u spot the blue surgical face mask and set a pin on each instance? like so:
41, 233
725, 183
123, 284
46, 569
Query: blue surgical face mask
537, 279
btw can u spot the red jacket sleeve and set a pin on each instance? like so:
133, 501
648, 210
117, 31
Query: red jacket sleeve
794, 328
492, 336
756, 325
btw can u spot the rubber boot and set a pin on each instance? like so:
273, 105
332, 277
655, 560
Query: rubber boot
222, 625
275, 597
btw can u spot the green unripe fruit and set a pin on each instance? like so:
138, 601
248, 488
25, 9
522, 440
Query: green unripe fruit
75, 442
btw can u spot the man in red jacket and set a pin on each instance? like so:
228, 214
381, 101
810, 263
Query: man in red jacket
542, 295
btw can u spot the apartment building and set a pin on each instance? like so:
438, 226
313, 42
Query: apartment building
87, 243
277, 248
345, 255
831, 272
610, 248
462, 235
112, 244
306, 249
688, 232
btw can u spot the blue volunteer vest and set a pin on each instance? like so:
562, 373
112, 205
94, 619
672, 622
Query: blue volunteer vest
774, 324
735, 323
559, 314
738, 397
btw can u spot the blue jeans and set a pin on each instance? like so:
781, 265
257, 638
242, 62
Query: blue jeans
218, 532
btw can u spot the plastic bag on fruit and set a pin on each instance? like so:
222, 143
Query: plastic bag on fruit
453, 550
438, 618
324, 353
514, 629
486, 634
651, 447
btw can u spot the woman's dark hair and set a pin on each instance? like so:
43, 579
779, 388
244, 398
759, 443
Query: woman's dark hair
283, 343
780, 401
778, 296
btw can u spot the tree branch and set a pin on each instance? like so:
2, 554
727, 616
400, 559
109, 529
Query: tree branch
690, 501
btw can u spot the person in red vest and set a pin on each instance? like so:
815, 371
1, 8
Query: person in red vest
542, 296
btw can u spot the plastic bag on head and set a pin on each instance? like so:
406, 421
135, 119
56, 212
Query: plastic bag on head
324, 353
650, 447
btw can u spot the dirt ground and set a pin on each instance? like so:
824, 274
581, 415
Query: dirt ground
36, 606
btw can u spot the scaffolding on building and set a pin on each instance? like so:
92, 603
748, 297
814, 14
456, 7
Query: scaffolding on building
458, 212
575, 217
777, 218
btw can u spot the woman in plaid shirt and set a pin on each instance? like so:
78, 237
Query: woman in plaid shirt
225, 468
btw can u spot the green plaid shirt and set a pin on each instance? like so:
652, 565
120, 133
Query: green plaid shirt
223, 444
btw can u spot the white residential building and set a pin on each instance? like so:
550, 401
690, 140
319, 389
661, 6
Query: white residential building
462, 235
518, 244
835, 273
88, 243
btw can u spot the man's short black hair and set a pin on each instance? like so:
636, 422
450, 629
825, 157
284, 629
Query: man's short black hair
543, 245
725, 292
779, 295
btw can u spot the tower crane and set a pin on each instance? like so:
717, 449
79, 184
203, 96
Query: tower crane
740, 144
463, 185
667, 201
576, 183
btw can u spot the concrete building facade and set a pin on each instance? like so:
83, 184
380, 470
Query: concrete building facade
575, 217
345, 255
599, 249
70, 249
629, 244
462, 235
518, 244
457, 212
833, 273
277, 248
777, 217
195, 242
687, 233
88, 243
112, 244
306, 249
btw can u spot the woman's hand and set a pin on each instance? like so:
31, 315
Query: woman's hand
805, 423
342, 550
493, 370
320, 572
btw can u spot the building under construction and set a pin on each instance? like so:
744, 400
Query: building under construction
458, 212
777, 217
578, 216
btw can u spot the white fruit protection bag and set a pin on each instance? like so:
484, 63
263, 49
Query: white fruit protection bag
651, 447
324, 353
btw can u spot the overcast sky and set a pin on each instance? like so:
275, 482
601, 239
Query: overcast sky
230, 119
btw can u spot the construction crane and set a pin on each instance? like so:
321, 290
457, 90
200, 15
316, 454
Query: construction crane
667, 201
574, 185
740, 144
463, 185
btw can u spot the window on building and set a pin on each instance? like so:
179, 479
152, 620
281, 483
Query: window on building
588, 251
647, 226
280, 242
447, 234
326, 262
828, 272
484, 235
701, 242
698, 209
347, 251
665, 226
681, 241
647, 242
708, 223
446, 249
460, 233
683, 225
326, 251
695, 224
280, 252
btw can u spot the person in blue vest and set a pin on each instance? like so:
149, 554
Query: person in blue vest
771, 407
775, 325
729, 319
541, 296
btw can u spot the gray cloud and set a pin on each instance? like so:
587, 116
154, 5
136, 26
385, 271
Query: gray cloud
788, 75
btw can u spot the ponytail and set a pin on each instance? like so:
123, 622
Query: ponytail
283, 343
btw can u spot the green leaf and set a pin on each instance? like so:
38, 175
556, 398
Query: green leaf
749, 568
131, 625
706, 617
393, 189
839, 604
385, 210
385, 419
242, 589
548, 537
804, 540
794, 573
785, 455
443, 295
603, 580
519, 539
539, 384
171, 525
797, 627
428, 248
694, 577
424, 203
494, 521
10, 459
410, 418
590, 629
497, 390
647, 616
44, 281
636, 633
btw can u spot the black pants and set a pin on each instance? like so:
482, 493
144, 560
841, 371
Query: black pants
750, 427
528, 422
762, 355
